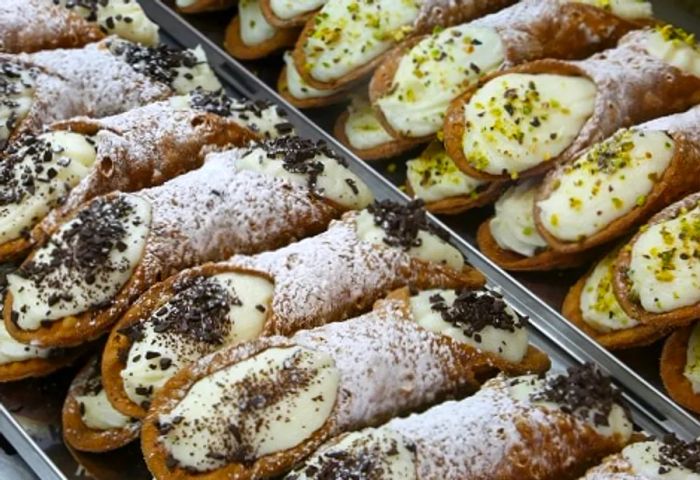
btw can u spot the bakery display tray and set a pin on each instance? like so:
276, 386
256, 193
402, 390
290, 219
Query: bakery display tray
30, 410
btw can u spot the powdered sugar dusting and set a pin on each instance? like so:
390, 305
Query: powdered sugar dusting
685, 125
451, 12
615, 467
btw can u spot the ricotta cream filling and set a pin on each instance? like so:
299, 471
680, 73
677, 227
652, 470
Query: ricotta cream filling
664, 268
13, 351
606, 183
431, 249
392, 457
676, 47
513, 226
162, 348
436, 71
17, 87
336, 182
254, 26
644, 458
185, 3
99, 414
518, 121
61, 289
510, 344
348, 34
39, 175
629, 9
363, 128
288, 9
199, 75
282, 396
599, 306
523, 388
297, 86
434, 176
692, 365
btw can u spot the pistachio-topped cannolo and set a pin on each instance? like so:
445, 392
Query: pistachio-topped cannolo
32, 25
680, 366
289, 13
528, 119
296, 393
250, 36
300, 94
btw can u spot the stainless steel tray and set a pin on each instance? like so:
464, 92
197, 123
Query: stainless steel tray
30, 410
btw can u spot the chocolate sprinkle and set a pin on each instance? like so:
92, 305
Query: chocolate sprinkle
160, 63
675, 453
401, 223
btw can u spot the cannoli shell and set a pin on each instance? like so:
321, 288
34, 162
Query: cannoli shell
234, 44
673, 360
77, 434
463, 203
303, 103
681, 177
632, 87
207, 6
278, 22
675, 318
39, 367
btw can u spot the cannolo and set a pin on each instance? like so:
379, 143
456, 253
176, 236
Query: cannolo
90, 423
82, 158
250, 36
525, 120
331, 277
336, 49
359, 129
680, 366
294, 393
591, 305
521, 428
415, 84
297, 92
619, 183
32, 25
198, 6
656, 273
115, 247
290, 13
667, 459
510, 238
101, 79
434, 178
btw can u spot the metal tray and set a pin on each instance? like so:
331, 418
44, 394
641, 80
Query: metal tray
30, 410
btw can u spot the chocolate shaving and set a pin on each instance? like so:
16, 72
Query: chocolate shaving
675, 453
160, 63
402, 222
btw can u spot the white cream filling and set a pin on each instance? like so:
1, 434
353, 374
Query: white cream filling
664, 271
336, 182
391, 457
267, 122
692, 364
513, 226
348, 34
363, 128
185, 3
599, 306
64, 292
198, 76
263, 425
436, 71
435, 176
618, 422
518, 121
432, 248
676, 48
606, 183
145, 374
13, 351
15, 102
510, 345
296, 85
644, 458
288, 9
254, 26
629, 9
72, 160
99, 414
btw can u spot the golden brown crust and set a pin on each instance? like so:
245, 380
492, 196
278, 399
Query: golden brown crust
314, 102
15, 249
463, 203
77, 434
235, 46
278, 22
207, 6
675, 318
38, 367
638, 336
387, 150
681, 177
543, 261
673, 361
